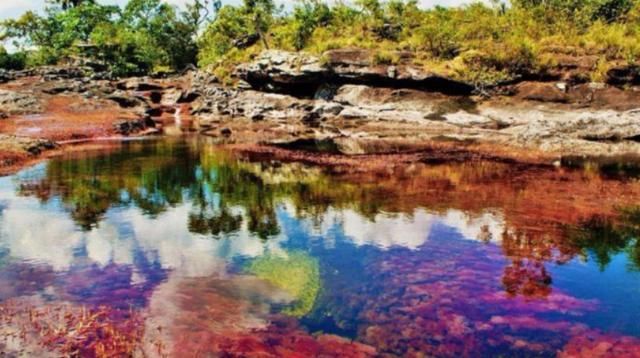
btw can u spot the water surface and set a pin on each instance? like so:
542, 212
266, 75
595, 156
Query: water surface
180, 248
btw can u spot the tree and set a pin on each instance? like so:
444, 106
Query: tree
67, 4
308, 15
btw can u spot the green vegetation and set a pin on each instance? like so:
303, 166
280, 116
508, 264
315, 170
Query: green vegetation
297, 273
481, 43
144, 36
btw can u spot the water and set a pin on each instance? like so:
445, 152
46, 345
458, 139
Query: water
179, 248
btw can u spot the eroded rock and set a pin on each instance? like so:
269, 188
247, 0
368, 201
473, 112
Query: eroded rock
12, 102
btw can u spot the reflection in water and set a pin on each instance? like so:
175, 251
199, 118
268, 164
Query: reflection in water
189, 249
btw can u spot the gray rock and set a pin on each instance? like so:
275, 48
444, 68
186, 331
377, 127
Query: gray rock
19, 103
138, 84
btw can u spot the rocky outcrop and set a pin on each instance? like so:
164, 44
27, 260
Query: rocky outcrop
33, 146
358, 66
624, 75
12, 102
129, 127
360, 116
302, 74
286, 72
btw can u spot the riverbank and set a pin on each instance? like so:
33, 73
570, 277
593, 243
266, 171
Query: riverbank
343, 103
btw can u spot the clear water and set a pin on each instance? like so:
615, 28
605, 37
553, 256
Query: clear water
180, 248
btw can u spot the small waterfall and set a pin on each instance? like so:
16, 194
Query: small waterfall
177, 116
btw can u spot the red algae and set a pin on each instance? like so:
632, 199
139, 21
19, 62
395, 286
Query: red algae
439, 312
67, 118
189, 317
69, 330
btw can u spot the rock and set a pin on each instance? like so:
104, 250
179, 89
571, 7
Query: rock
541, 92
61, 86
358, 66
283, 71
624, 75
327, 108
225, 132
302, 74
54, 73
170, 97
138, 84
562, 86
6, 76
128, 127
311, 119
32, 146
3, 115
464, 119
326, 92
246, 41
19, 103
125, 100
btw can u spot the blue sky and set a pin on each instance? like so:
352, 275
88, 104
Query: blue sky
13, 8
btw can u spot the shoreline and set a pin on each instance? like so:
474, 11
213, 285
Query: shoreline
542, 123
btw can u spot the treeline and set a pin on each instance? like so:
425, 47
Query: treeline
479, 42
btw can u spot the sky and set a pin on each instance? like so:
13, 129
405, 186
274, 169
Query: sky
13, 8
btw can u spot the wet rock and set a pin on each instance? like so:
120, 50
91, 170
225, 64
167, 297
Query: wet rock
19, 103
128, 127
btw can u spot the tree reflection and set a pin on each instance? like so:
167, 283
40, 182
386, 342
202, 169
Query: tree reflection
604, 237
229, 191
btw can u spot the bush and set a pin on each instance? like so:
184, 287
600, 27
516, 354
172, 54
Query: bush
12, 61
